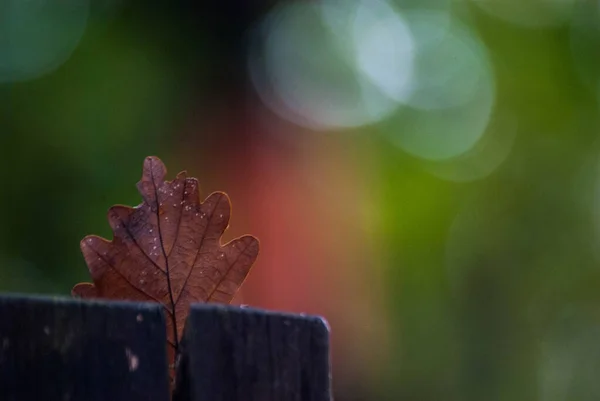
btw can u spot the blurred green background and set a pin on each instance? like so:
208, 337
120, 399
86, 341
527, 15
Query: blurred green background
425, 174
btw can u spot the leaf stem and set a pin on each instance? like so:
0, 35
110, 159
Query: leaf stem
164, 252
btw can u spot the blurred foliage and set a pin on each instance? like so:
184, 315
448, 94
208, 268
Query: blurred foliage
489, 259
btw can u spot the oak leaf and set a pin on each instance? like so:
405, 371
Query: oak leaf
168, 250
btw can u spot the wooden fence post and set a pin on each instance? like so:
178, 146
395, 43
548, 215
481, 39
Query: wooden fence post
243, 354
62, 349
68, 350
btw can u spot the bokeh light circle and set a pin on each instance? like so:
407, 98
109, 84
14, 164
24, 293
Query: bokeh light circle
333, 64
36, 37
453, 93
485, 157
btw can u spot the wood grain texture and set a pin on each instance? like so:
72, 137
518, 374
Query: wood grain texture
70, 350
243, 354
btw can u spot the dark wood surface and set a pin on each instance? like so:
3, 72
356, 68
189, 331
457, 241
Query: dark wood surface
70, 350
73, 350
243, 354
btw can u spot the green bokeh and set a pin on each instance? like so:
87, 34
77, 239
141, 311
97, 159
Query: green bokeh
492, 285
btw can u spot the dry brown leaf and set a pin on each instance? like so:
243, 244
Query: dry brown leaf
168, 250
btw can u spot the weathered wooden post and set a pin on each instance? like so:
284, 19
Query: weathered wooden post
72, 350
243, 354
